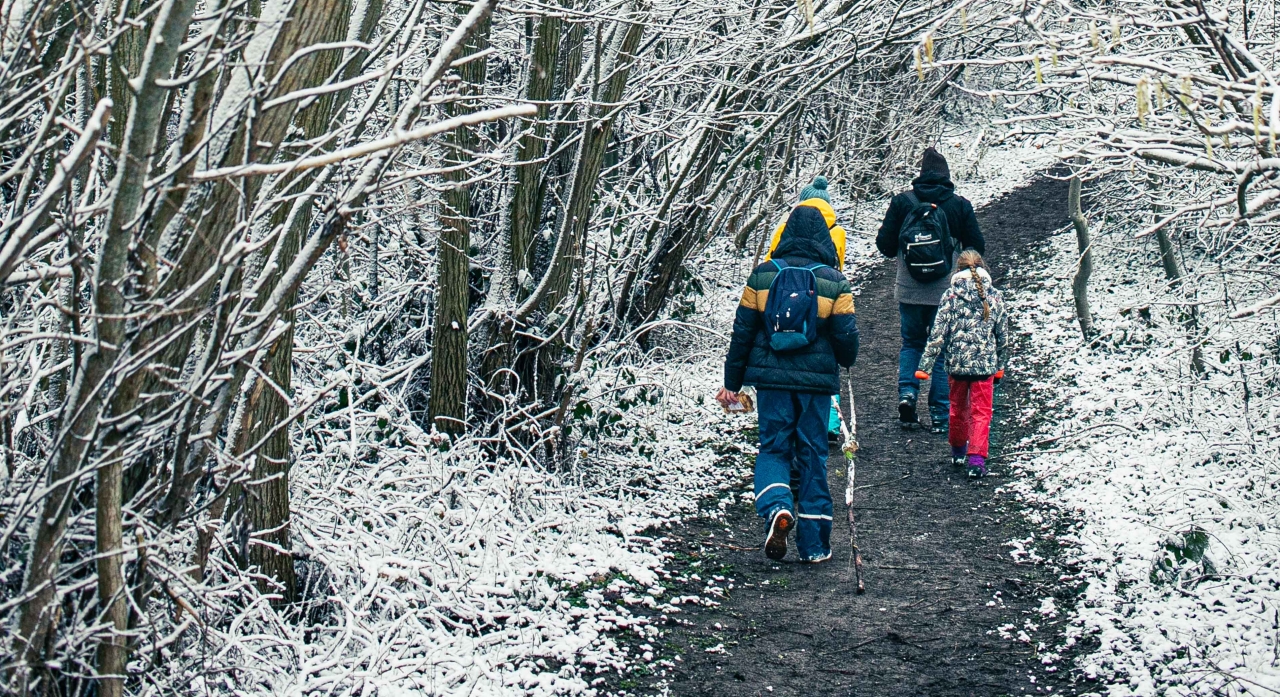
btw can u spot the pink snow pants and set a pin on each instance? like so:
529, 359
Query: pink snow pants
970, 413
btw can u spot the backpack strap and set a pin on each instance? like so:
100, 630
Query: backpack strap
779, 264
911, 194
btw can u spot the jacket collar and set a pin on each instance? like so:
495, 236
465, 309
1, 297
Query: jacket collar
965, 275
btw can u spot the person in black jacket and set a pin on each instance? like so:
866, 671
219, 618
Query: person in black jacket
918, 302
794, 388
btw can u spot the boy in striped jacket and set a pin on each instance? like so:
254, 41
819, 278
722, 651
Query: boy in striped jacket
794, 385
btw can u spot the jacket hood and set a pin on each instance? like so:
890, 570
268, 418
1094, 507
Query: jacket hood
828, 213
807, 236
962, 275
933, 187
966, 290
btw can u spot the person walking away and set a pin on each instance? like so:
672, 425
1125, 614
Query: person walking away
816, 196
794, 329
972, 330
925, 228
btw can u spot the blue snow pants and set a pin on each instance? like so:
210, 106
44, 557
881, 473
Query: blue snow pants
793, 429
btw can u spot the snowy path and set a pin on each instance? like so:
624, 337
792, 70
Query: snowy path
947, 609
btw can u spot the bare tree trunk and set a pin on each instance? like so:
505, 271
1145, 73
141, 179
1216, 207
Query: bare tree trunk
333, 227
267, 504
86, 397
447, 407
267, 494
1173, 273
195, 237
540, 366
682, 235
113, 649
560, 166
526, 203
1168, 256
591, 153
124, 61
1080, 285
194, 119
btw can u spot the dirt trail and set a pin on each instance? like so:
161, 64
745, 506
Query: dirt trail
939, 577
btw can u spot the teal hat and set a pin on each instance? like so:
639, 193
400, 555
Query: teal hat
818, 189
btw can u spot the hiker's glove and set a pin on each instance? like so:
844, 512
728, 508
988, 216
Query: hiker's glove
921, 375
998, 377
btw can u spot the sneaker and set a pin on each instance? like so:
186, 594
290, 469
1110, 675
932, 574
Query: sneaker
780, 524
907, 412
958, 456
977, 466
817, 558
939, 427
833, 436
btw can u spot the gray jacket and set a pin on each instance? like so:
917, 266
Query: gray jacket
976, 347
909, 291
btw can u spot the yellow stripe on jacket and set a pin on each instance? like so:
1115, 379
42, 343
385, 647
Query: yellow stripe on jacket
828, 214
842, 305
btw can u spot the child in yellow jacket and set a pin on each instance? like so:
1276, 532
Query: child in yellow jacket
815, 196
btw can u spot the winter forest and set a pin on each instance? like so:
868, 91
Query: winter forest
362, 347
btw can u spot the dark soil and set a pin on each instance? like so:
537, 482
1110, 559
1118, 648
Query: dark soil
939, 576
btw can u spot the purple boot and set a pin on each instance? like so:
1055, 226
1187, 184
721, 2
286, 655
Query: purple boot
977, 466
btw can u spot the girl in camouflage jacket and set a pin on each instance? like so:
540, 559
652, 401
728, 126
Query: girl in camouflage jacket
972, 325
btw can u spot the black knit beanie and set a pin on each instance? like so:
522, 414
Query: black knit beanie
934, 162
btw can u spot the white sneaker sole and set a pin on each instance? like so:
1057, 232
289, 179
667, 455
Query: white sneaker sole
775, 545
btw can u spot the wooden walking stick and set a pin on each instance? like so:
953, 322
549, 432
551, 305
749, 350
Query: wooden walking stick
849, 430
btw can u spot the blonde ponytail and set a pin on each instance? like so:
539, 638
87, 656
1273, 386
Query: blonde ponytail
969, 259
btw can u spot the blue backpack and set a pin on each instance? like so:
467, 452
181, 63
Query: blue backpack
791, 311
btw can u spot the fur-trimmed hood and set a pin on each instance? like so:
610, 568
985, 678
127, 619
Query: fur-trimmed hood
966, 275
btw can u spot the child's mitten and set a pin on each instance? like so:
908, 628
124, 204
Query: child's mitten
921, 375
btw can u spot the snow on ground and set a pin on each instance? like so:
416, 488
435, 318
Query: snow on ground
448, 572
1171, 478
